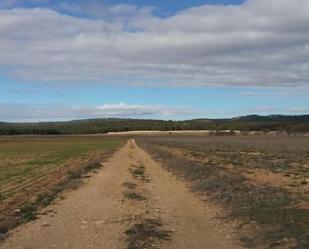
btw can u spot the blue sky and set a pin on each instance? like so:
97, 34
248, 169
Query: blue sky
168, 7
63, 60
173, 6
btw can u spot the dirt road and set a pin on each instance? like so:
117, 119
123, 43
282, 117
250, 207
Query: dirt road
130, 203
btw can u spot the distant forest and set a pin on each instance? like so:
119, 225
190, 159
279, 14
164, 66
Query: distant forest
289, 124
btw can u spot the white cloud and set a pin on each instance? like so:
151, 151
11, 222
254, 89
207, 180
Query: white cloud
32, 112
123, 109
258, 43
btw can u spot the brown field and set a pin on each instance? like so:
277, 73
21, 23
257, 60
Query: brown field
261, 182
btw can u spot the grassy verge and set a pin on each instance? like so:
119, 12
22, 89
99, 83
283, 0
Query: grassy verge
29, 210
73, 181
275, 214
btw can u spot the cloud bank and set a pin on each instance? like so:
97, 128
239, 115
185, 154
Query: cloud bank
32, 112
258, 43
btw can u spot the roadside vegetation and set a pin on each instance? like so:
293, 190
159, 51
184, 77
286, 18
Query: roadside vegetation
261, 184
146, 234
34, 170
138, 173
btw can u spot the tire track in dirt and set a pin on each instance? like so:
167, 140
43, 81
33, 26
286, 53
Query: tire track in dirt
192, 224
131, 202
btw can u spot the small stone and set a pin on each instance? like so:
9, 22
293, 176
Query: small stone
99, 222
16, 211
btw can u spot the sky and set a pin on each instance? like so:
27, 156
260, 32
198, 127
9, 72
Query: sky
76, 59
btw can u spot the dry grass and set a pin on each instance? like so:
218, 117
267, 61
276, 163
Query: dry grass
276, 213
133, 196
139, 173
146, 234
130, 185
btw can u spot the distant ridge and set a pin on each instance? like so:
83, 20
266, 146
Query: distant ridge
288, 123
277, 117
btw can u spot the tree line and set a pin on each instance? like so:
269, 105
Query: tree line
94, 126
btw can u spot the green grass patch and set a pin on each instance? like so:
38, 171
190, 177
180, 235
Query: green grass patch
21, 158
29, 212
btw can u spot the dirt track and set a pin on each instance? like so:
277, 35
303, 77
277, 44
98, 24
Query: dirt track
98, 214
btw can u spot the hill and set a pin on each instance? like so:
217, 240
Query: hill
94, 126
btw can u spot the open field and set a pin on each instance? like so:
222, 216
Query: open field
261, 182
132, 203
35, 169
159, 191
